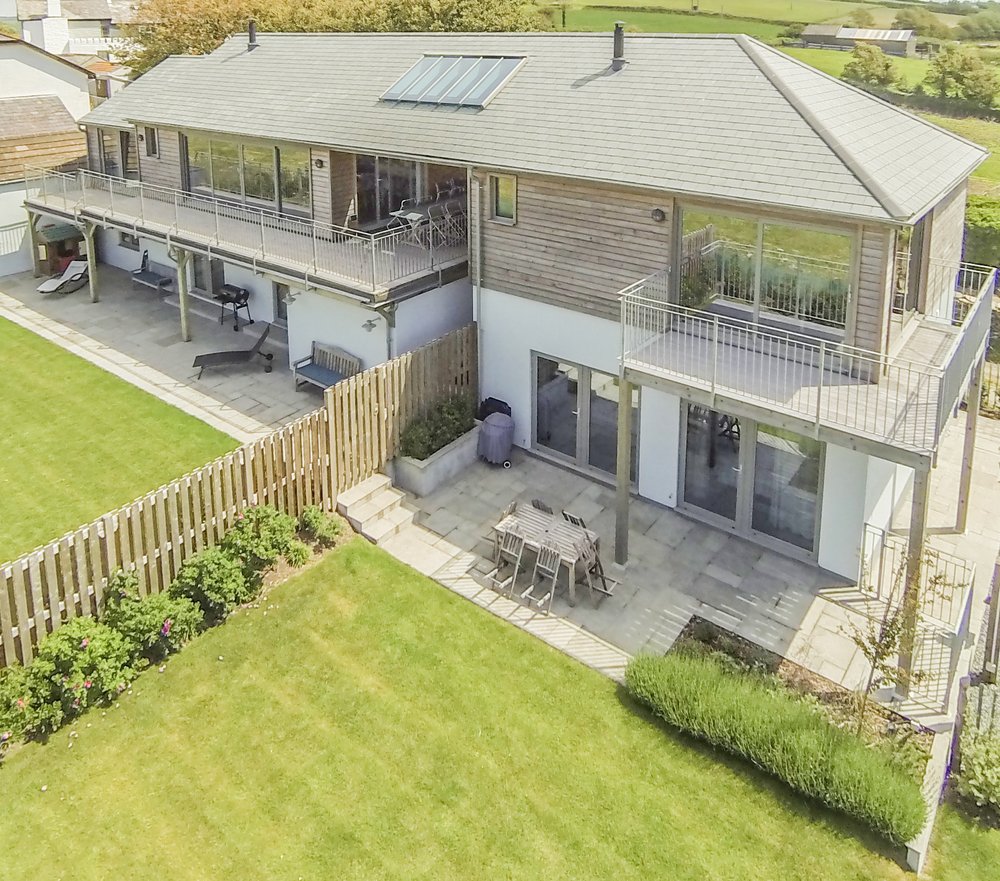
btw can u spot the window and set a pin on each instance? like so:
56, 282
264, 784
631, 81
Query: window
503, 198
127, 240
293, 173
454, 80
152, 147
199, 164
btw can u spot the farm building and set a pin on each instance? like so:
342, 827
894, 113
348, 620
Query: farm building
833, 36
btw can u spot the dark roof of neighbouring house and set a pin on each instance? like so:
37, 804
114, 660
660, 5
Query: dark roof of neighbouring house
79, 10
714, 116
37, 130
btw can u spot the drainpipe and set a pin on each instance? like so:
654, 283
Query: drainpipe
388, 313
477, 300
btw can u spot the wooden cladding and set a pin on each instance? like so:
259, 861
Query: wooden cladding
163, 169
369, 411
63, 151
575, 244
306, 462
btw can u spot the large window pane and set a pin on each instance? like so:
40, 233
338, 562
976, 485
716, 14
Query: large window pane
805, 274
293, 163
556, 406
717, 259
226, 168
199, 163
258, 173
603, 428
712, 461
786, 486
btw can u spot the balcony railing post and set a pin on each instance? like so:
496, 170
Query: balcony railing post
371, 251
819, 382
177, 211
111, 191
315, 266
262, 232
715, 352
215, 210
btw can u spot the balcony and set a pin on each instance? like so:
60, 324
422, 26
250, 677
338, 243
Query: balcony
813, 383
372, 264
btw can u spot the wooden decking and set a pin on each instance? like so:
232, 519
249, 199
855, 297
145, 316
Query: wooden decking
343, 258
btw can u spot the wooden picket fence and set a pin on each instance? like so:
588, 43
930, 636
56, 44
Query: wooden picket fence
303, 463
370, 410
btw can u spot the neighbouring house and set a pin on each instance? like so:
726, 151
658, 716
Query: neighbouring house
834, 36
41, 98
73, 27
701, 270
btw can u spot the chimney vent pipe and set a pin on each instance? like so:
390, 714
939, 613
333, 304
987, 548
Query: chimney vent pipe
252, 35
618, 59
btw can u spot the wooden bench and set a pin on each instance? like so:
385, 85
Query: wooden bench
152, 275
326, 366
235, 356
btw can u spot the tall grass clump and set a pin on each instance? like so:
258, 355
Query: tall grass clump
753, 716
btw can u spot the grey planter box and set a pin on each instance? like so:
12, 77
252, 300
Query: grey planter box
423, 476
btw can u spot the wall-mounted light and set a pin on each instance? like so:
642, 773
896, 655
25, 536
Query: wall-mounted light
290, 296
142, 138
318, 162
370, 325
658, 214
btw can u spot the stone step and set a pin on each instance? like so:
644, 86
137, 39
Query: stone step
362, 492
360, 513
386, 525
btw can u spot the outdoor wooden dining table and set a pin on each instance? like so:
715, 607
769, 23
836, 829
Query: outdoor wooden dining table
574, 543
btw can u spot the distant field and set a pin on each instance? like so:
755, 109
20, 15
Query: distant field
981, 131
833, 61
669, 23
769, 10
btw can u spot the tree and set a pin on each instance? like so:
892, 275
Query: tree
195, 27
960, 73
871, 66
924, 22
861, 18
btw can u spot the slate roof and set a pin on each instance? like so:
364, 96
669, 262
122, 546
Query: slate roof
33, 116
713, 116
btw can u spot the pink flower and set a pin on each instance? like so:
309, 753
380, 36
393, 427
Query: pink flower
87, 684
20, 703
165, 629
84, 642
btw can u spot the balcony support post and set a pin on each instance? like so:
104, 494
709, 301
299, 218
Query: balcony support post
183, 259
36, 244
911, 598
969, 449
88, 230
623, 479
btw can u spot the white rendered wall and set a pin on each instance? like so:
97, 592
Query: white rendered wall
888, 483
659, 446
50, 34
431, 315
315, 316
513, 327
842, 513
112, 253
15, 243
24, 72
261, 290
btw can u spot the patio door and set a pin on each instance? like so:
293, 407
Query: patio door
756, 479
383, 184
576, 415
209, 274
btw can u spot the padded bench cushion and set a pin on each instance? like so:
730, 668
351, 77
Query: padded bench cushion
321, 376
153, 279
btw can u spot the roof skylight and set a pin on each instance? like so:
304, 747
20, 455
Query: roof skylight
455, 80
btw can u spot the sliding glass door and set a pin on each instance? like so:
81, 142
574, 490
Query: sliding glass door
757, 479
383, 184
576, 415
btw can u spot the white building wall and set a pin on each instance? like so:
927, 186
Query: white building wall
315, 316
15, 243
842, 511
659, 446
50, 34
431, 315
514, 327
110, 251
261, 290
24, 72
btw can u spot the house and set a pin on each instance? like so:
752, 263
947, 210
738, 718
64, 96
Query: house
833, 36
72, 27
41, 97
702, 271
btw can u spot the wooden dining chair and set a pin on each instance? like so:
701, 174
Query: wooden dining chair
539, 505
511, 549
546, 573
597, 579
572, 518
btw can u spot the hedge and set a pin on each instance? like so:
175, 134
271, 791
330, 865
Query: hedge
753, 716
982, 230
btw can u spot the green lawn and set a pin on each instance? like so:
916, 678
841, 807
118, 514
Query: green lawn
77, 441
982, 131
669, 23
833, 61
366, 724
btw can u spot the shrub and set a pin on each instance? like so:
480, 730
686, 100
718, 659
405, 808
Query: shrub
153, 627
298, 553
260, 536
82, 663
753, 716
214, 581
980, 773
445, 422
982, 230
319, 526
13, 691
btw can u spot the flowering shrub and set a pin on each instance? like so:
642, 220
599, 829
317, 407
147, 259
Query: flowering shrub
258, 538
154, 626
212, 580
319, 527
298, 553
12, 701
980, 775
82, 663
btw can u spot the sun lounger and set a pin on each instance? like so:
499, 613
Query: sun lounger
235, 356
73, 278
